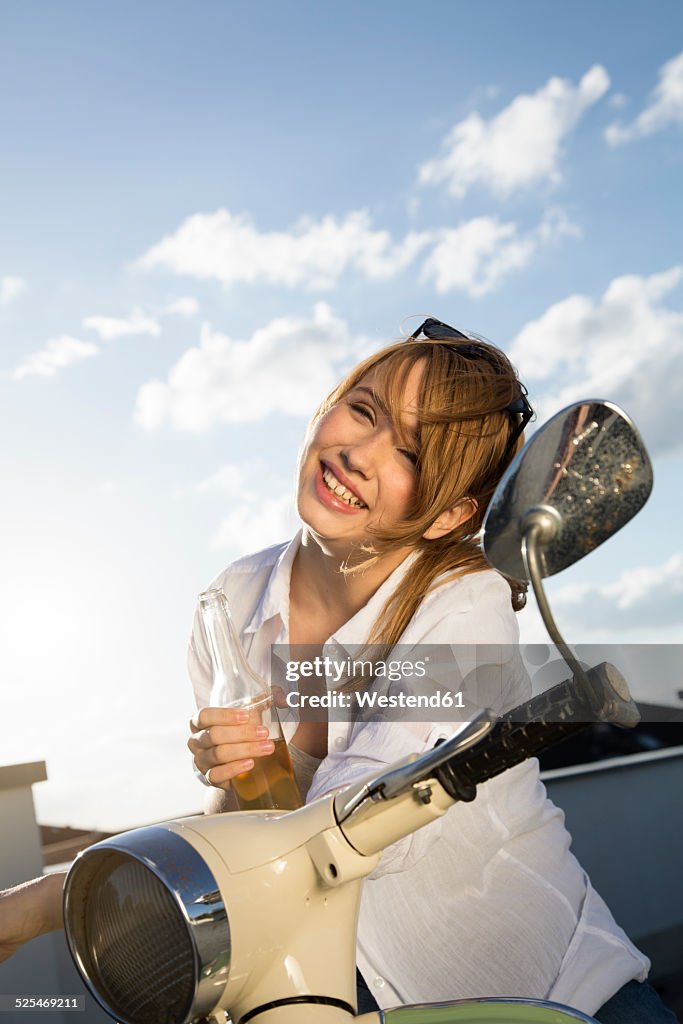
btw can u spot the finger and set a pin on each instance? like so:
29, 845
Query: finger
201, 763
227, 753
219, 734
231, 752
206, 717
222, 775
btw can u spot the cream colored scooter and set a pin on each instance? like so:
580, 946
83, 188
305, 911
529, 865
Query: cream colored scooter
253, 915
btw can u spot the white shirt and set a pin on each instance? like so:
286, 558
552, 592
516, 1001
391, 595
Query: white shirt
487, 901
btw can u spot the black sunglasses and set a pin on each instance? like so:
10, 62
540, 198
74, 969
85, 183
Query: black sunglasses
435, 330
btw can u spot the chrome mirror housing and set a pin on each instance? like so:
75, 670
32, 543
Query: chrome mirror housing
582, 476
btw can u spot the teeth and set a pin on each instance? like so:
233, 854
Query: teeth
340, 491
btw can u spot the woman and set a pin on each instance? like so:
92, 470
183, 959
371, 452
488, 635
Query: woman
395, 474
394, 477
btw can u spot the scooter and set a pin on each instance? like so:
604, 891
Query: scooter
251, 916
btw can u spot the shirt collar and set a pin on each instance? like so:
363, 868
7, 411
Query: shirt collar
275, 598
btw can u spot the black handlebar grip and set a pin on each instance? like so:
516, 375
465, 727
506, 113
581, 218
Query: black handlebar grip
540, 723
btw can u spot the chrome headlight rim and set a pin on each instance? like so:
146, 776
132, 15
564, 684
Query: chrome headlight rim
190, 883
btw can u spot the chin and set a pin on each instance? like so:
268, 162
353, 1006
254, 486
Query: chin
332, 536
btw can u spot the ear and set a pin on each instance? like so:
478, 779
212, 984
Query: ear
451, 518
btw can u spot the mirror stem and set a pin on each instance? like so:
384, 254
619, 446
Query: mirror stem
538, 528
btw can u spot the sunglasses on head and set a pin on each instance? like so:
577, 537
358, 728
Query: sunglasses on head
471, 348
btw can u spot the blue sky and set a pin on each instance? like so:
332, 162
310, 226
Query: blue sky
207, 213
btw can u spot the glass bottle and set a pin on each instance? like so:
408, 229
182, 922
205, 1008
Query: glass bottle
270, 783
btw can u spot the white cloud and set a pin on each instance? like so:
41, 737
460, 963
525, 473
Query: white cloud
255, 519
286, 366
643, 605
11, 288
229, 480
257, 524
521, 145
109, 327
627, 347
643, 596
184, 306
665, 107
618, 101
228, 247
479, 254
474, 257
634, 588
57, 354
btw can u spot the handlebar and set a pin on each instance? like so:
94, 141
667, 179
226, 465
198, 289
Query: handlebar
536, 725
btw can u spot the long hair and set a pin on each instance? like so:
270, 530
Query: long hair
463, 432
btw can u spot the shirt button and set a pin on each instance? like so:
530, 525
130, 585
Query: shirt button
339, 742
379, 982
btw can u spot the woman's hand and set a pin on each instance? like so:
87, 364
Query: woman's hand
225, 742
28, 910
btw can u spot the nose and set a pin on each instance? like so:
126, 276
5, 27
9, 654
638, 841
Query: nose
365, 454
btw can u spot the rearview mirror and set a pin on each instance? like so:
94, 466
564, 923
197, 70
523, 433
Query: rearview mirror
586, 472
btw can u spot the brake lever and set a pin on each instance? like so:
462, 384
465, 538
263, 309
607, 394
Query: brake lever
403, 777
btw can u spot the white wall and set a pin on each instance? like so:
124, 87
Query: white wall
44, 966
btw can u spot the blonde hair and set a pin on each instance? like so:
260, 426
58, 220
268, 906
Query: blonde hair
463, 434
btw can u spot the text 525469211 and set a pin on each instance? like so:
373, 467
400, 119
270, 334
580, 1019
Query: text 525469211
17, 1003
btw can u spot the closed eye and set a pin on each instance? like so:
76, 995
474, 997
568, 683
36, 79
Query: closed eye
368, 413
363, 410
410, 455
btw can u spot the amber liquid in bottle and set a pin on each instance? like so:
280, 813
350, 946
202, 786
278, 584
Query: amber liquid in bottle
270, 784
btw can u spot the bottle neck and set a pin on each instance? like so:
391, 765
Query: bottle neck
235, 682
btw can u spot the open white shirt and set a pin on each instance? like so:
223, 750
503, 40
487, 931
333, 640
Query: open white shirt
487, 901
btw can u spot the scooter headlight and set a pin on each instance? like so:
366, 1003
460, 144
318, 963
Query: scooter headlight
147, 927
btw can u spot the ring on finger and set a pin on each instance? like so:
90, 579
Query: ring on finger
202, 776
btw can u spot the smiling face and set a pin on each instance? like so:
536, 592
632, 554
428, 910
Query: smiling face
357, 467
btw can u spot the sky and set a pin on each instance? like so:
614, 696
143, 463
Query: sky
208, 213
